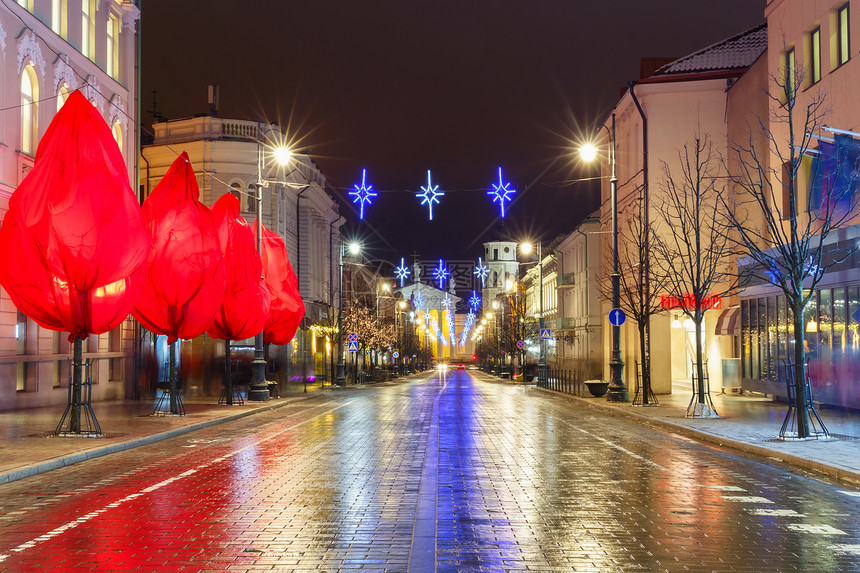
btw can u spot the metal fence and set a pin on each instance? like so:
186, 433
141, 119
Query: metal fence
567, 381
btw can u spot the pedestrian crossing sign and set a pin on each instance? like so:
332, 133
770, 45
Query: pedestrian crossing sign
544, 334
353, 346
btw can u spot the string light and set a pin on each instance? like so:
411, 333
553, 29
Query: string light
501, 192
402, 272
431, 194
363, 194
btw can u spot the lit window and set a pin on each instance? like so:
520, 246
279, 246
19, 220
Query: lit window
86, 27
28, 4
842, 41
789, 77
117, 135
29, 110
112, 46
815, 55
62, 96
58, 17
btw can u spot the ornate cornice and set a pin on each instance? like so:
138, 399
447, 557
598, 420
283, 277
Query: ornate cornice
64, 74
29, 51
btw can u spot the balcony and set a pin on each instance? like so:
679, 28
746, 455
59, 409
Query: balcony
566, 280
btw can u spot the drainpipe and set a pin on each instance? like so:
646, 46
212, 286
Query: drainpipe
646, 270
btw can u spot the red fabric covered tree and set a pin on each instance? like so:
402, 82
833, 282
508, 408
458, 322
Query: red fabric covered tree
185, 281
287, 305
73, 246
246, 301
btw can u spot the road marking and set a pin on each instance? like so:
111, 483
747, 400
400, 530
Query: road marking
845, 548
746, 498
775, 512
819, 529
616, 446
93, 514
724, 487
851, 493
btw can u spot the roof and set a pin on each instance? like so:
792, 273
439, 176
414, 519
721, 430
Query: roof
735, 53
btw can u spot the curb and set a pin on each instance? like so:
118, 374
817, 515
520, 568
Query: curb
830, 471
71, 459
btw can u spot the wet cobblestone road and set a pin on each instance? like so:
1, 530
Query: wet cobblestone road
450, 473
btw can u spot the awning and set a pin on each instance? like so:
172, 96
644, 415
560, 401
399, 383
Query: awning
729, 321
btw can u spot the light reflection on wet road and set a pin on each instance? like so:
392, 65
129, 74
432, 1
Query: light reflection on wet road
449, 473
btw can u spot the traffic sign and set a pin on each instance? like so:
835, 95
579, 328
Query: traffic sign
396, 354
353, 337
521, 344
353, 346
617, 317
545, 334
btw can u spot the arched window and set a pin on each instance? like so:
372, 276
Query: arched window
251, 199
236, 190
62, 95
495, 279
117, 134
29, 110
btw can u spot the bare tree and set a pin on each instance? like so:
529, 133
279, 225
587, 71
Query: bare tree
786, 232
636, 301
696, 256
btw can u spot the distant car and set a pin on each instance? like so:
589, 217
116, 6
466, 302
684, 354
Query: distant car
442, 366
461, 366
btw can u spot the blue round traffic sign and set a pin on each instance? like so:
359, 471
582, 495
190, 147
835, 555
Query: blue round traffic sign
617, 317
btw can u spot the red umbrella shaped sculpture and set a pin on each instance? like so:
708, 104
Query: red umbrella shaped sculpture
287, 306
73, 247
246, 301
185, 280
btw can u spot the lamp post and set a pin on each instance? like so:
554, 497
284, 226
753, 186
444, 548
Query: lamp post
617, 391
402, 353
340, 377
526, 248
498, 338
258, 390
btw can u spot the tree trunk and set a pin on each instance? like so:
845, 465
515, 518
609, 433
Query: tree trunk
646, 364
77, 378
174, 407
800, 381
229, 385
700, 367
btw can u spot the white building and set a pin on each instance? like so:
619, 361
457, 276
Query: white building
580, 323
48, 49
297, 204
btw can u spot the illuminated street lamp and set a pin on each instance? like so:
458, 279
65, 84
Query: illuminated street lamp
340, 377
617, 390
258, 390
526, 248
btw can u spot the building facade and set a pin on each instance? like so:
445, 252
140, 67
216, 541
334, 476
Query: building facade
48, 49
230, 156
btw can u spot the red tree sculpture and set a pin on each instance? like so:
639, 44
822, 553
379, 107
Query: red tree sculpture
73, 247
287, 306
185, 282
246, 301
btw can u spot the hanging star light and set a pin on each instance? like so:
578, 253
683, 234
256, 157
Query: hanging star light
447, 302
431, 194
362, 194
501, 192
418, 301
474, 301
440, 273
402, 272
481, 271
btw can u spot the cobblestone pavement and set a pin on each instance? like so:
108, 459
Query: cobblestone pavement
456, 473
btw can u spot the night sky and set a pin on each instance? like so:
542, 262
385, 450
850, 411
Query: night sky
398, 87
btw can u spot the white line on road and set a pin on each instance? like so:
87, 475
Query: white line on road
93, 514
616, 446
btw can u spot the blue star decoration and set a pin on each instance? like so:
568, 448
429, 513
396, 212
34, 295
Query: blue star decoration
501, 192
481, 271
418, 301
440, 273
362, 194
474, 301
402, 272
447, 302
431, 194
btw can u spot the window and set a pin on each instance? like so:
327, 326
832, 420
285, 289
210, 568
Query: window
28, 4
236, 190
62, 96
112, 46
29, 110
815, 56
251, 199
789, 76
58, 18
842, 42
117, 134
87, 27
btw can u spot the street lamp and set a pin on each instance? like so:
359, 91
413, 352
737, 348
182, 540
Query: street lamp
526, 248
258, 391
402, 353
340, 377
617, 391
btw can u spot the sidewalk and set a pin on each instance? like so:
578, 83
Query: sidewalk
28, 446
751, 424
